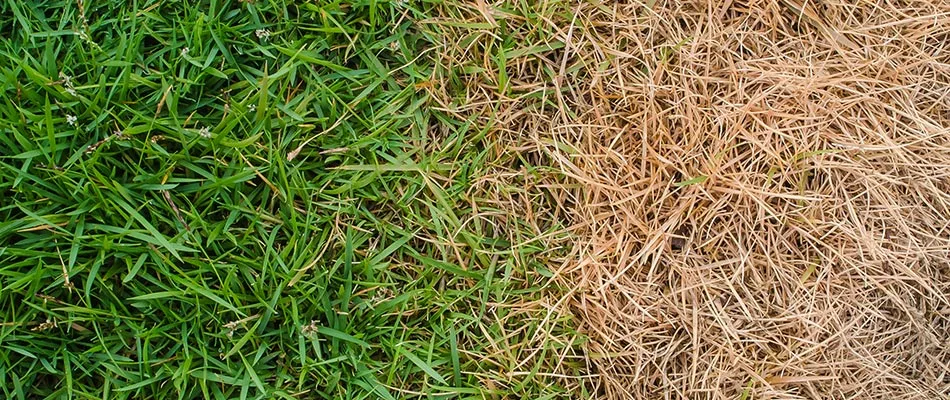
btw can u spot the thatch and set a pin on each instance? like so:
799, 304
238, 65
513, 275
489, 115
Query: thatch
758, 192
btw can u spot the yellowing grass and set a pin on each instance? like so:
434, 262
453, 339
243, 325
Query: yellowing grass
757, 192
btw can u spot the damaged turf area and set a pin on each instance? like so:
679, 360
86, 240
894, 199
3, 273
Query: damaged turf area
756, 192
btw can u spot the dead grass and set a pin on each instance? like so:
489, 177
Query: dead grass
759, 197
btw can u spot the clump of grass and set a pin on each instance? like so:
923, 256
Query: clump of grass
250, 199
757, 190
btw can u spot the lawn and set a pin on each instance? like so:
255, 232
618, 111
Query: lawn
256, 199
474, 199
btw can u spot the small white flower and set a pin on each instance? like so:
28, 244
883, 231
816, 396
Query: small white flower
184, 51
67, 82
262, 34
71, 119
205, 132
310, 330
252, 107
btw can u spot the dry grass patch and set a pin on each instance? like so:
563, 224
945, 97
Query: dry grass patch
758, 190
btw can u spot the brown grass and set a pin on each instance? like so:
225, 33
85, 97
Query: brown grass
757, 192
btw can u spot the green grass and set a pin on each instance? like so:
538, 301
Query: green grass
318, 244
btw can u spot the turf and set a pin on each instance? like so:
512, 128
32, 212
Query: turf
255, 199
757, 191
